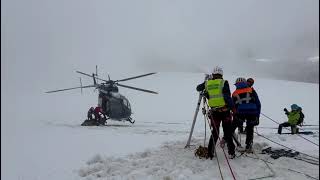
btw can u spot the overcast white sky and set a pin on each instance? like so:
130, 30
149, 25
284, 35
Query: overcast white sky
43, 42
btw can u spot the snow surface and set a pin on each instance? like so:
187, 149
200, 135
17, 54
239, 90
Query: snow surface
50, 143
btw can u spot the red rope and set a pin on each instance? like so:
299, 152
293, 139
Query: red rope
214, 144
223, 151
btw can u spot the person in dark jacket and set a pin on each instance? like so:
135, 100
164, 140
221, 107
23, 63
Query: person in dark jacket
248, 108
90, 113
250, 83
218, 96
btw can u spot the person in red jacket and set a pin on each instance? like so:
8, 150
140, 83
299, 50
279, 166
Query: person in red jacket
98, 113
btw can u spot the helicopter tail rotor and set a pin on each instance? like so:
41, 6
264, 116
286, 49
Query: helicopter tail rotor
80, 84
96, 73
91, 76
94, 79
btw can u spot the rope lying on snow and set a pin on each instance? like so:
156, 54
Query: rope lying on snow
271, 170
286, 146
283, 168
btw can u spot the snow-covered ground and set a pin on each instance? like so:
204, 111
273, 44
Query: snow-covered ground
45, 140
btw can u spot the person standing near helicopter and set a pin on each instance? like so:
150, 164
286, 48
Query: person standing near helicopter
98, 113
90, 113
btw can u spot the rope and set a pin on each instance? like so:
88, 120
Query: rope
285, 146
310, 161
288, 129
300, 173
214, 144
224, 152
205, 124
240, 137
271, 170
282, 167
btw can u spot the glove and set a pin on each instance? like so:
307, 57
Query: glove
207, 76
285, 110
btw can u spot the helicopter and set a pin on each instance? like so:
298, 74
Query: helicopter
113, 105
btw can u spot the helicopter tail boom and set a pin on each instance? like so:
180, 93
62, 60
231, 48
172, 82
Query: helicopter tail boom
70, 88
94, 79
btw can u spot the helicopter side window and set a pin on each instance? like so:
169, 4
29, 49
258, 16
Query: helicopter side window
129, 105
125, 102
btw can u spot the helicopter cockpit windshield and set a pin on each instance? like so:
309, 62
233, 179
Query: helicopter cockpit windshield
126, 102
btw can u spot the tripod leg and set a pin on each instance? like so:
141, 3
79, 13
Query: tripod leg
236, 140
194, 120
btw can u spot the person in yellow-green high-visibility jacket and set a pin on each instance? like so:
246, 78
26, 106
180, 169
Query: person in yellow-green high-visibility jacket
295, 117
218, 95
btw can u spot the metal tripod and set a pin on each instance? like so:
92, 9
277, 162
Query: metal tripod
194, 118
201, 96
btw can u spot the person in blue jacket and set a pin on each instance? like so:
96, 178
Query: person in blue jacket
248, 108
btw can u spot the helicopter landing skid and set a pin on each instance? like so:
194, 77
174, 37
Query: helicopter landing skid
103, 121
130, 120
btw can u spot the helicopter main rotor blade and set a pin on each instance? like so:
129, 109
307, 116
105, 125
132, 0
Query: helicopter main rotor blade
70, 88
126, 79
92, 76
139, 89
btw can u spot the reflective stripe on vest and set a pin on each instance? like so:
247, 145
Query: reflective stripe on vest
214, 89
239, 100
241, 91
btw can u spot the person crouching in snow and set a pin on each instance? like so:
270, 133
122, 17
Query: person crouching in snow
294, 116
218, 96
97, 114
90, 113
248, 108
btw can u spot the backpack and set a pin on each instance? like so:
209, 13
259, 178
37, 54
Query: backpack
300, 121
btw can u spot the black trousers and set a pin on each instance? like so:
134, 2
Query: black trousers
216, 119
286, 124
251, 121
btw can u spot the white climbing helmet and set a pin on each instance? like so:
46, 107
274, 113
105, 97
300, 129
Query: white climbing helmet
217, 70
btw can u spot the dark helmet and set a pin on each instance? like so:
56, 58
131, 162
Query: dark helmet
294, 107
250, 81
239, 80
